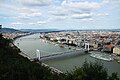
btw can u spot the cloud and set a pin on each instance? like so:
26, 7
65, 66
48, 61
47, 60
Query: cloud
85, 5
59, 11
101, 14
35, 2
82, 16
17, 23
41, 22
19, 12
29, 23
57, 18
111, 1
25, 15
45, 12
88, 16
76, 10
65, 2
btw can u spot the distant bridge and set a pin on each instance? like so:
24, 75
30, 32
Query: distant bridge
40, 56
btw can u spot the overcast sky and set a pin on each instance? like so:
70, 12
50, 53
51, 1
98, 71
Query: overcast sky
60, 14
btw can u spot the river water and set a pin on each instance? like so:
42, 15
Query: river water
29, 44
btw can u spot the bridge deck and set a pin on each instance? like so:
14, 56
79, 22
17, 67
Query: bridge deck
60, 53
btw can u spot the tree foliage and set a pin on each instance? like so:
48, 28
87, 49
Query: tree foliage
91, 71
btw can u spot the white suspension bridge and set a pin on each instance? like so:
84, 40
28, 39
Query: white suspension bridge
39, 56
39, 53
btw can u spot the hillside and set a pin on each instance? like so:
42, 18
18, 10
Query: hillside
9, 30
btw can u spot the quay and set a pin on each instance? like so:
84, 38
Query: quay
52, 68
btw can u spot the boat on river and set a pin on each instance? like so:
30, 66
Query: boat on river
102, 57
118, 61
62, 46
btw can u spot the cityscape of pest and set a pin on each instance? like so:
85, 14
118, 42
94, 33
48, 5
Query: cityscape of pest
59, 39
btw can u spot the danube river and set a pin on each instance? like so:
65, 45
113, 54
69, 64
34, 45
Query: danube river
29, 44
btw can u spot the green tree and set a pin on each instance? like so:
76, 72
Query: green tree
94, 71
91, 71
113, 77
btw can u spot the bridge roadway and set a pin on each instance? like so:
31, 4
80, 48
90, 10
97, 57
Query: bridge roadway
60, 53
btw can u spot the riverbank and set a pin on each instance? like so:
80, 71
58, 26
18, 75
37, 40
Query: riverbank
22, 36
69, 47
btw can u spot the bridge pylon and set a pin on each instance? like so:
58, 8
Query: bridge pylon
38, 54
87, 46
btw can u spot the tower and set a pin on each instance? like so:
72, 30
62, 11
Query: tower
87, 46
38, 54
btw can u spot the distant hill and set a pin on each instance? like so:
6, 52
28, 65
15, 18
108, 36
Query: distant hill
40, 30
9, 30
51, 30
29, 30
